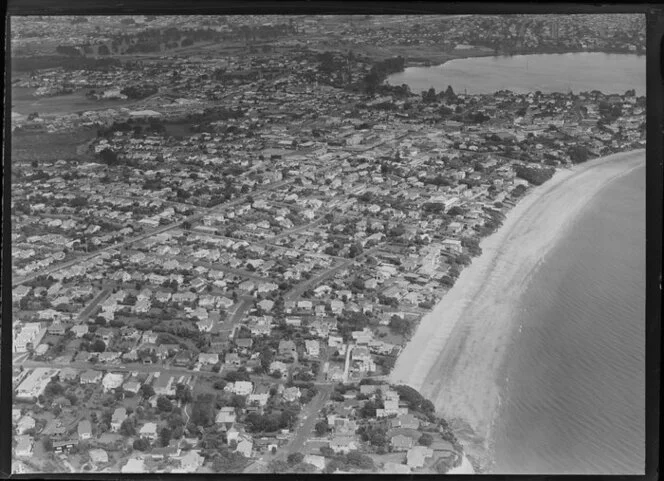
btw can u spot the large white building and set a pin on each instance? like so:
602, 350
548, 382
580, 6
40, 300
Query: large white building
31, 333
35, 383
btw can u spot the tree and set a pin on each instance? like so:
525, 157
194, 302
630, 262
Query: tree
456, 210
414, 399
108, 156
378, 436
73, 399
321, 428
266, 357
368, 410
202, 411
535, 175
165, 436
462, 259
295, 458
278, 466
98, 346
183, 393
578, 154
141, 444
238, 401
147, 391
53, 388
327, 451
359, 460
127, 428
164, 404
234, 376
399, 325
430, 95
425, 440
228, 462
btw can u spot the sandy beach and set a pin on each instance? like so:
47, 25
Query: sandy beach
457, 352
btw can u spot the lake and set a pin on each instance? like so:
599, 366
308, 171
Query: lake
584, 71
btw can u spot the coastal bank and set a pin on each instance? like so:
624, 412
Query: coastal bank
457, 354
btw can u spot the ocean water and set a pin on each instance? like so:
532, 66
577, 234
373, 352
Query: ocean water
578, 72
573, 399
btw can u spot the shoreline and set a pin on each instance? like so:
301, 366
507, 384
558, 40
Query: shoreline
457, 363
422, 61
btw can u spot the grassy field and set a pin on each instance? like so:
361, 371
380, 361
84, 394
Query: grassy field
29, 146
25, 103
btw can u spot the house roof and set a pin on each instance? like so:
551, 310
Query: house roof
84, 427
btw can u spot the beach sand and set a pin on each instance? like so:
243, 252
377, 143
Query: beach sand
457, 352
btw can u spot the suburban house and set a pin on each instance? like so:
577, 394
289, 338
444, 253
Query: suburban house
118, 417
112, 381
24, 424
313, 347
90, 377
164, 385
84, 430
226, 415
315, 460
287, 348
241, 388
24, 445
401, 442
343, 444
148, 430
416, 456
98, 456
245, 446
208, 358
407, 421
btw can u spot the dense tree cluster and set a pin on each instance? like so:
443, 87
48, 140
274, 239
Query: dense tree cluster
139, 91
400, 326
227, 461
203, 410
380, 70
268, 423
535, 175
68, 50
415, 400
578, 154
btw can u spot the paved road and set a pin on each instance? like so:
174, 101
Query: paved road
216, 266
268, 242
89, 309
309, 418
124, 367
242, 307
299, 289
297, 230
